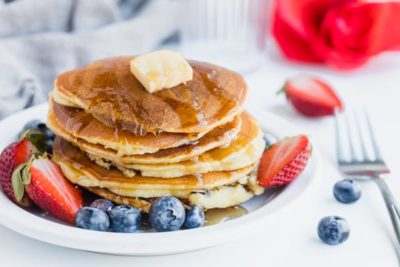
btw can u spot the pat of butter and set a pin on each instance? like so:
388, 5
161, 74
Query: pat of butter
161, 69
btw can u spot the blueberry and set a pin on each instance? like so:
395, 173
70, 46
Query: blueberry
333, 230
46, 131
92, 219
347, 191
102, 204
39, 126
47, 146
194, 217
31, 125
167, 214
41, 136
125, 219
269, 140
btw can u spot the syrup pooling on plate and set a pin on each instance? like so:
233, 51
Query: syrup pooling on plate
108, 90
215, 216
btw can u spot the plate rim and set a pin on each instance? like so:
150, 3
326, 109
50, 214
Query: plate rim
143, 245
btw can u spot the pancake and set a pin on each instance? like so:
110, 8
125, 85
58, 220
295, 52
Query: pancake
111, 93
245, 150
94, 138
222, 197
61, 100
78, 124
79, 169
212, 190
140, 203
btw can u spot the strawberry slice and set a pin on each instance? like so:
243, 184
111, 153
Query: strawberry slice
311, 96
283, 161
48, 188
13, 156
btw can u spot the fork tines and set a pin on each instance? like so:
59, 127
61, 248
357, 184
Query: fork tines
356, 144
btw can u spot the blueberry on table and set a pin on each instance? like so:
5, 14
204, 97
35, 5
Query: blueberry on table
92, 219
333, 230
125, 219
102, 204
167, 214
347, 191
194, 217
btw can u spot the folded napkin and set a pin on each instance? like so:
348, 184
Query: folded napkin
40, 39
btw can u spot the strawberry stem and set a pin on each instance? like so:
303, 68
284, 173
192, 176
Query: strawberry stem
282, 90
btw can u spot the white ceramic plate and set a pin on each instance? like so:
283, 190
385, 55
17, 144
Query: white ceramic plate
46, 229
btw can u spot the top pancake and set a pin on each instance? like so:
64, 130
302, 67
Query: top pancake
111, 93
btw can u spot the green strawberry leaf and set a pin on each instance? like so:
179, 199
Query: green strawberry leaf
17, 184
25, 174
282, 90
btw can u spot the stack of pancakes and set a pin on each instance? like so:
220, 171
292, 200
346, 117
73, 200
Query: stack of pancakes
192, 141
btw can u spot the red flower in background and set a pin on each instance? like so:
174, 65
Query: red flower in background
341, 33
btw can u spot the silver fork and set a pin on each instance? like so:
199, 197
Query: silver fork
358, 155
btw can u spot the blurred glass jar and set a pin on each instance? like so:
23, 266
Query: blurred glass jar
230, 33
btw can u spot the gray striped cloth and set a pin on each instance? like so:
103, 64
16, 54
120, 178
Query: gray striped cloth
41, 38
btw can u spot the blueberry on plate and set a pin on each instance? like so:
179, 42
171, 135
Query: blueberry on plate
41, 136
125, 219
31, 125
333, 230
102, 204
40, 126
347, 191
167, 214
46, 131
194, 217
92, 219
269, 140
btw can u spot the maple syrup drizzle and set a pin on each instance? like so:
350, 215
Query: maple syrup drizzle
242, 138
112, 95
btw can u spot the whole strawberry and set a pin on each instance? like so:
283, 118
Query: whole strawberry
283, 161
311, 96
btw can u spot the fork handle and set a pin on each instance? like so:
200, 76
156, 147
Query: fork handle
391, 205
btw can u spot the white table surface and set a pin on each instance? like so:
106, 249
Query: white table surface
292, 241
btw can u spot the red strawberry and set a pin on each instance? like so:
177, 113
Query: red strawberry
12, 156
284, 161
49, 189
311, 96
